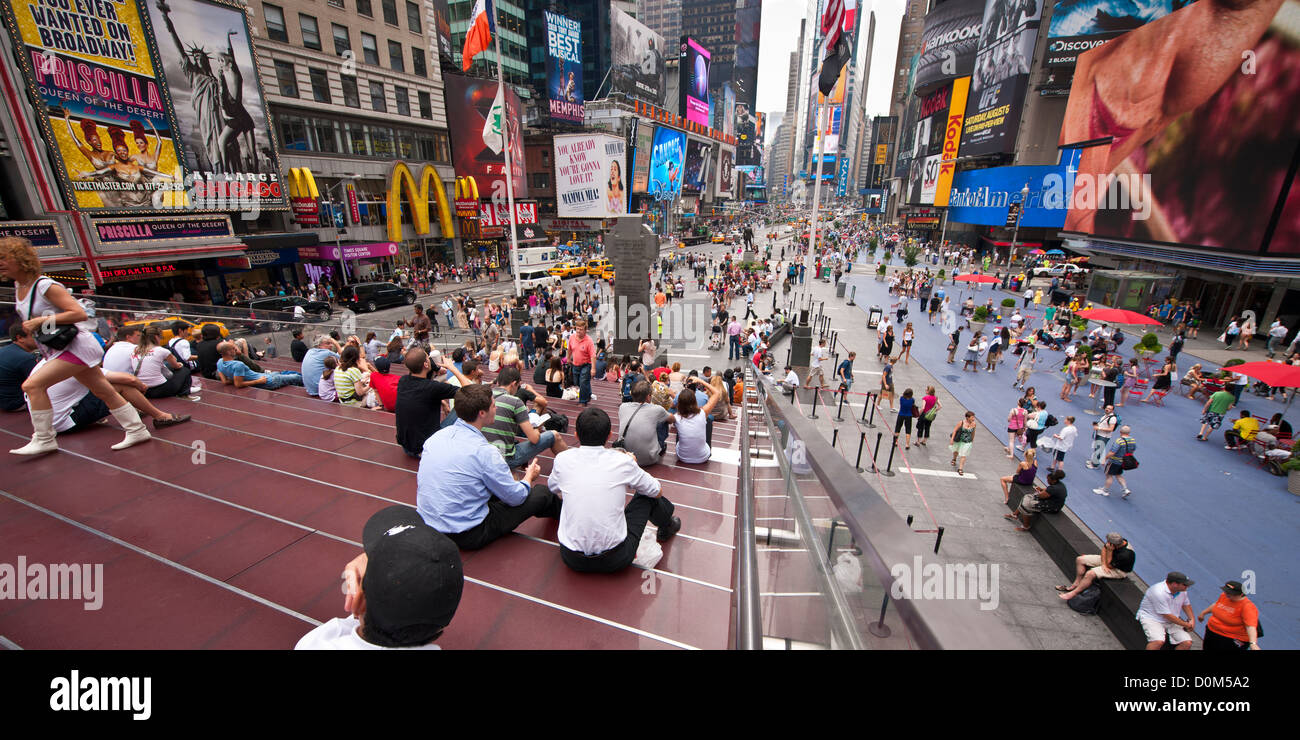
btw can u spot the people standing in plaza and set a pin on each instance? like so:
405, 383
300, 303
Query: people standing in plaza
908, 336
887, 383
962, 438
1015, 428
907, 410
1118, 454
820, 354
1158, 613
1056, 445
1234, 621
1218, 404
1102, 429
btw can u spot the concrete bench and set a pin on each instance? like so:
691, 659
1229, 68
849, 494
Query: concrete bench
1064, 537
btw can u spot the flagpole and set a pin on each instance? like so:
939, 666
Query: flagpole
505, 132
810, 262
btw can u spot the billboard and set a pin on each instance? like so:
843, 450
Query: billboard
441, 28
951, 140
85, 127
468, 101
1202, 164
749, 136
754, 176
842, 179
1001, 77
948, 42
212, 81
1080, 25
874, 198
744, 73
668, 155
695, 82
831, 126
564, 68
726, 175
589, 181
637, 55
984, 196
695, 173
728, 109
642, 145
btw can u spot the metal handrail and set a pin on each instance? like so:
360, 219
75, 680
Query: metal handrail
886, 540
749, 632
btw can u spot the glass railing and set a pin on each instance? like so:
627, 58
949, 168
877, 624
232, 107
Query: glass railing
836, 565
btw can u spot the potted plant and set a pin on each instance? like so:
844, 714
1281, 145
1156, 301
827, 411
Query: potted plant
1148, 345
939, 277
909, 255
880, 273
1292, 468
1008, 302
979, 319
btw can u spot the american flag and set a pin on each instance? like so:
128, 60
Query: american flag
838, 18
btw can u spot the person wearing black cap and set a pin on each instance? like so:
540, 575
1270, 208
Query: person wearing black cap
597, 533
1158, 613
402, 592
1234, 621
1115, 562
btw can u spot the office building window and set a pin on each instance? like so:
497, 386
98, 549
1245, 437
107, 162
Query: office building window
342, 41
395, 57
369, 49
377, 101
413, 16
293, 133
310, 33
325, 136
403, 101
287, 78
351, 98
275, 29
426, 107
363, 8
390, 11
336, 3
320, 85
417, 62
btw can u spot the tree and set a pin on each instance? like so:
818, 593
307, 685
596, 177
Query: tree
909, 254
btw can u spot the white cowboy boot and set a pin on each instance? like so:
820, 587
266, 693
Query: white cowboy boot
136, 432
43, 439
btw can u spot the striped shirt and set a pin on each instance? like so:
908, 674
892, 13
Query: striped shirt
345, 382
510, 413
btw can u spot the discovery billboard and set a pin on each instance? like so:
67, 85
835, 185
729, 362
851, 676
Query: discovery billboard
1080, 25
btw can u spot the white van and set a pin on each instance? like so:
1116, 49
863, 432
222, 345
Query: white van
535, 278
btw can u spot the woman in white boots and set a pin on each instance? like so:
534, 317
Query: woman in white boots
43, 304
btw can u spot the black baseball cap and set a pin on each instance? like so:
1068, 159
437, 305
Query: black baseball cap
414, 578
1173, 577
1233, 588
382, 364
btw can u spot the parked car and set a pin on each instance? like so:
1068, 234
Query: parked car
165, 324
1059, 270
597, 266
374, 296
719, 239
317, 310
568, 269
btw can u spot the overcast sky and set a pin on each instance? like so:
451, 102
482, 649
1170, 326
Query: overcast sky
780, 33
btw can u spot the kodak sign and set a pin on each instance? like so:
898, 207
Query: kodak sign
951, 140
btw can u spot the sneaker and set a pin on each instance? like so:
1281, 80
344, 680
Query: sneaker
1126, 493
1229, 447
1101, 491
194, 398
1090, 465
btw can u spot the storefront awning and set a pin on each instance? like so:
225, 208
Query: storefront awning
232, 250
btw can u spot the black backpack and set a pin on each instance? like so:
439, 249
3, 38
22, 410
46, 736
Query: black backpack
1051, 422
1088, 601
558, 423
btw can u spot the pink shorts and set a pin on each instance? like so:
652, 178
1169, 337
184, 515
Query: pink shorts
70, 358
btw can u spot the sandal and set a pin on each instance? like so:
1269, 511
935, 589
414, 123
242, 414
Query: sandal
1064, 589
960, 472
1009, 517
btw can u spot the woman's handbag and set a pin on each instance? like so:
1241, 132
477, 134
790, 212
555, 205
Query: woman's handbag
58, 338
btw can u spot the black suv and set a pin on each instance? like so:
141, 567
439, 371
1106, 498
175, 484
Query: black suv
374, 296
319, 310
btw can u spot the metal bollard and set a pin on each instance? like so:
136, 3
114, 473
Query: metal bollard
875, 453
835, 437
813, 415
909, 520
862, 440
879, 629
873, 410
888, 472
839, 414
937, 539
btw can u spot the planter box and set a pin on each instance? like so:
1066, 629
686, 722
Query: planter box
1293, 482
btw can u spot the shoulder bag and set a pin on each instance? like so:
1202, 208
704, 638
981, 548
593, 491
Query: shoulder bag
61, 336
619, 443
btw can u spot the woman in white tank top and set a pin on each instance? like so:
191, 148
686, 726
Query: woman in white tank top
37, 299
692, 422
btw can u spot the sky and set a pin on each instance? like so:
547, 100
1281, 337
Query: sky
780, 33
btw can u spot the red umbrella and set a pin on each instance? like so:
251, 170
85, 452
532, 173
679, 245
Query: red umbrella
1115, 316
1276, 374
973, 278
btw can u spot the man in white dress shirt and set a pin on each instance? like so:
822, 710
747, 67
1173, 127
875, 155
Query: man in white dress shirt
599, 532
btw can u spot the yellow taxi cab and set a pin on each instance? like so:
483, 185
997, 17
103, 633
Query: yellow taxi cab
567, 269
607, 273
165, 324
719, 238
597, 266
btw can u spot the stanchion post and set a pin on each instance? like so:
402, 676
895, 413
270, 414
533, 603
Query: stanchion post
835, 437
873, 409
839, 413
813, 415
879, 629
865, 405
937, 539
862, 440
876, 453
888, 471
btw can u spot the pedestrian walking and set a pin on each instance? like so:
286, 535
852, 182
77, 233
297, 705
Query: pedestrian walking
1119, 457
929, 411
963, 436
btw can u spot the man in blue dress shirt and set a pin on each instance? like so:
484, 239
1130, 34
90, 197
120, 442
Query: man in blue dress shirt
464, 487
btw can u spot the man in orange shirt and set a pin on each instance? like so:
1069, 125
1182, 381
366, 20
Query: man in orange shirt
581, 353
661, 299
